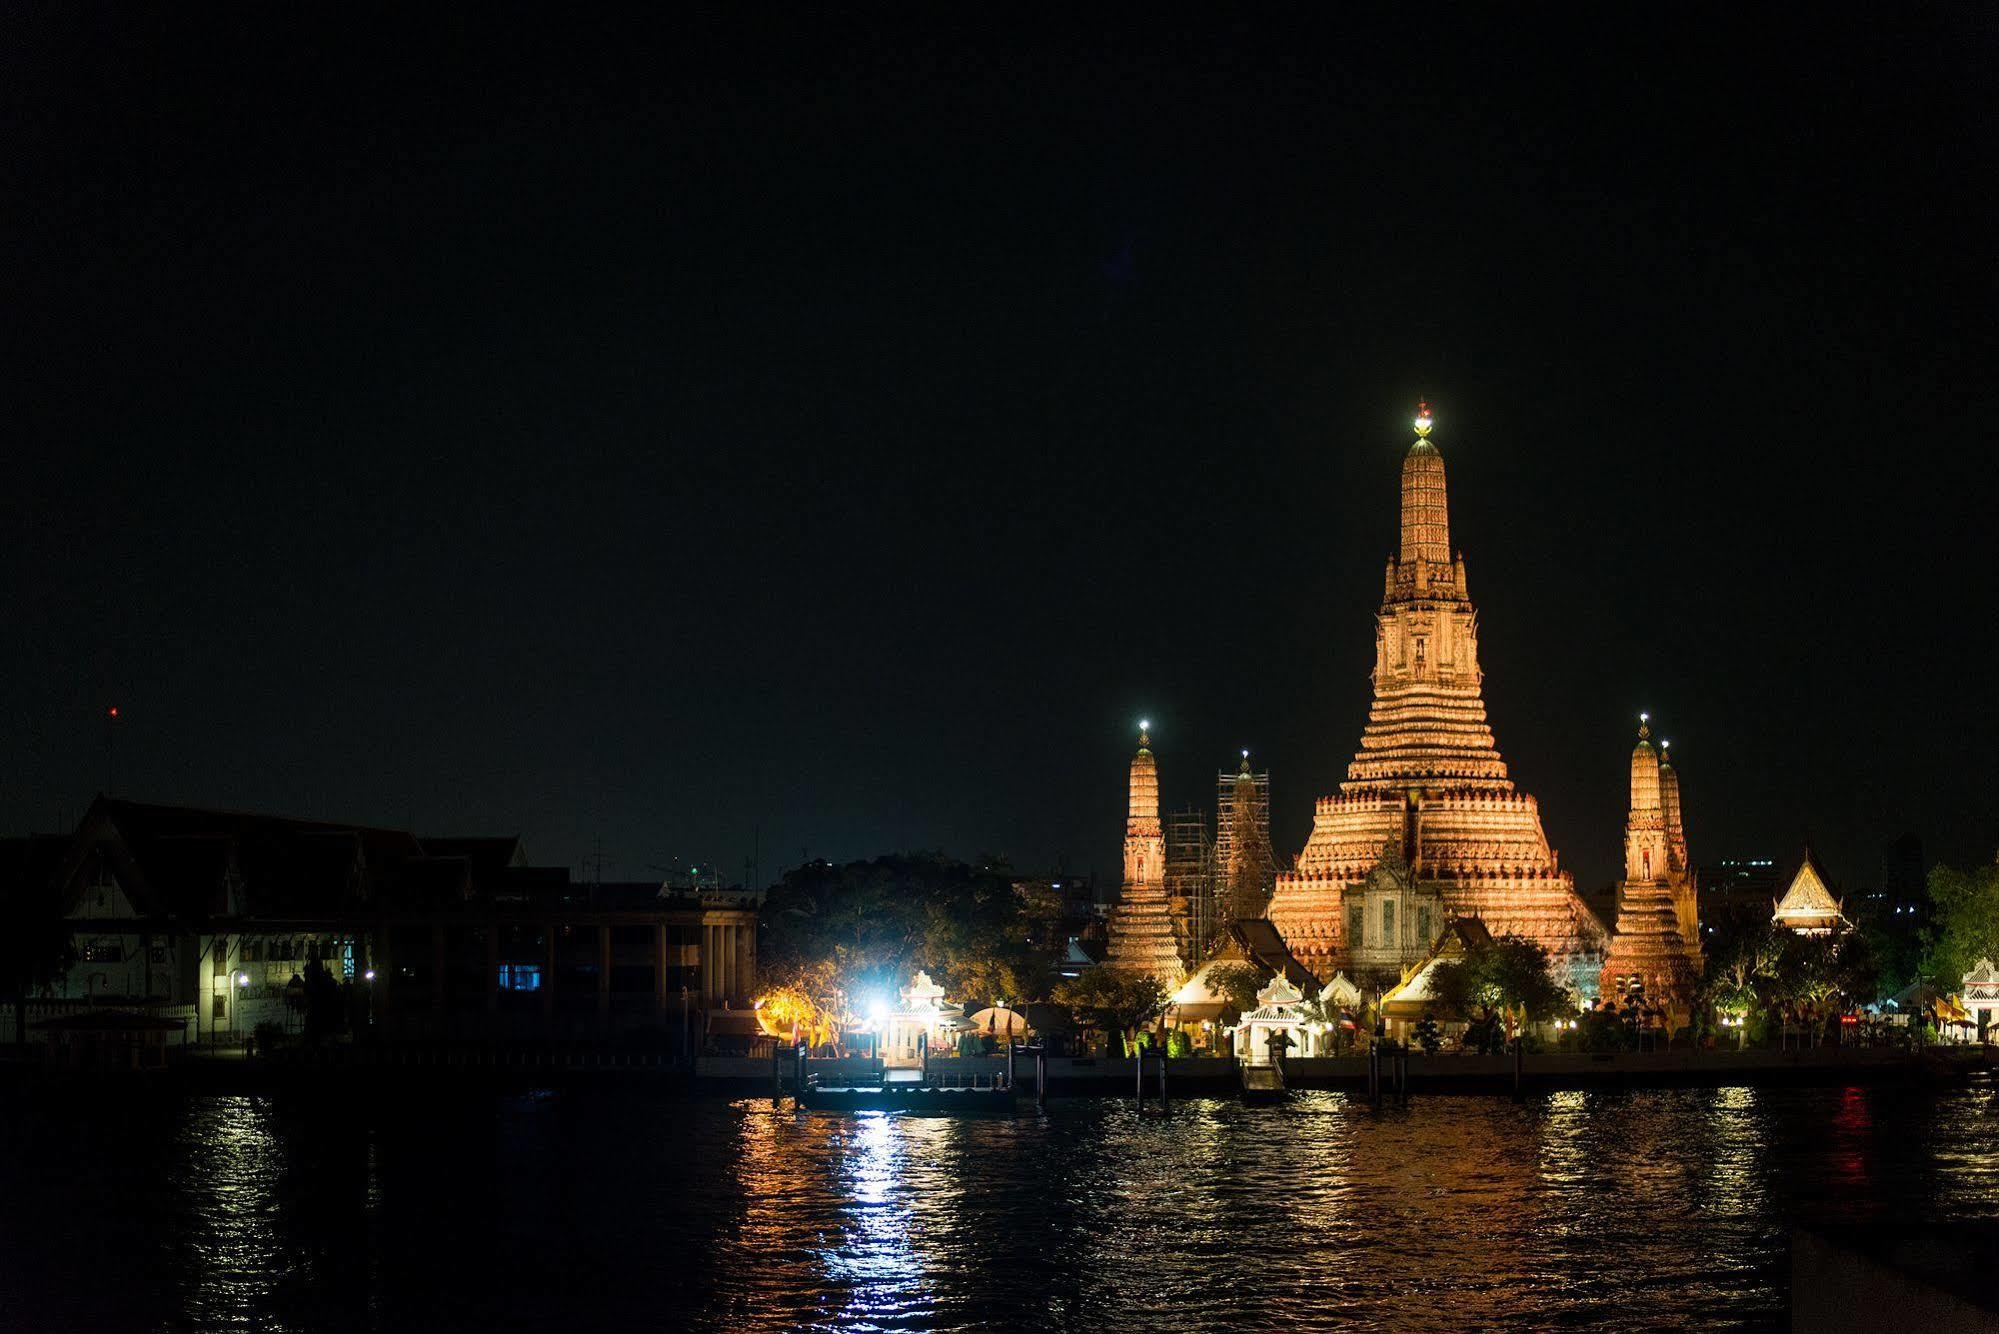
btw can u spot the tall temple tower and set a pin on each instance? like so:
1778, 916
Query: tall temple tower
1244, 865
1679, 868
1650, 951
1141, 934
1428, 777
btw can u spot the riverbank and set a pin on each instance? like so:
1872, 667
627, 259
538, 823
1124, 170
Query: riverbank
399, 1067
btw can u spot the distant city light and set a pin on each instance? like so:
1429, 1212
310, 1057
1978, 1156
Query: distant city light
368, 976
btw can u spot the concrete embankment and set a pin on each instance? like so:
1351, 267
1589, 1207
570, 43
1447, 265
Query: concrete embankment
419, 1067
1452, 1073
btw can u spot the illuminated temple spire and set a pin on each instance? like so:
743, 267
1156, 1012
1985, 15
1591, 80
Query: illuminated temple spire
1141, 934
1654, 950
1645, 826
1426, 518
1428, 720
1428, 778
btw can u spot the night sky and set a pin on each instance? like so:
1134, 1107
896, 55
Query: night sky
668, 440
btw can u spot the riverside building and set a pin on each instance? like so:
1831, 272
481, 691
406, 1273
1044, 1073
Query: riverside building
214, 919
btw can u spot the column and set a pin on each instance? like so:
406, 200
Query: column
603, 971
437, 969
492, 967
659, 969
383, 995
710, 965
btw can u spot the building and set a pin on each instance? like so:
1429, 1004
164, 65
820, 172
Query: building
1245, 869
1808, 906
1141, 934
1737, 889
1981, 996
1190, 886
1411, 1000
1392, 920
1655, 948
1428, 776
215, 919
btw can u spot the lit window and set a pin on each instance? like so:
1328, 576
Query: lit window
520, 977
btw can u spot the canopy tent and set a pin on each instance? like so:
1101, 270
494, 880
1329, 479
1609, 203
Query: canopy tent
1000, 1022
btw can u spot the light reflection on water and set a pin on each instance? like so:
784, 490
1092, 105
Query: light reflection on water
633, 1212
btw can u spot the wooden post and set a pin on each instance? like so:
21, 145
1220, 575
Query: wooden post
1041, 1076
776, 1075
1140, 1090
1519, 1061
798, 1080
924, 1039
1012, 1056
1162, 1081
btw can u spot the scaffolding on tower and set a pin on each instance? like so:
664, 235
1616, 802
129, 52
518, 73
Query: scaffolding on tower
1190, 884
1242, 845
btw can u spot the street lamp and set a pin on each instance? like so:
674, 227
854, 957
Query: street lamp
236, 1001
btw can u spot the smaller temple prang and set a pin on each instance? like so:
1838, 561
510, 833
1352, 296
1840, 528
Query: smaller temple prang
1141, 927
1655, 947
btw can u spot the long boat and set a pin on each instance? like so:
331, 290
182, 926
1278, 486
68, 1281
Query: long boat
901, 1097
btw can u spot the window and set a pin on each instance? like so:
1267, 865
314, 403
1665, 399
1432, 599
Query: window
1388, 921
250, 951
103, 952
1423, 936
221, 949
1356, 916
219, 1009
520, 977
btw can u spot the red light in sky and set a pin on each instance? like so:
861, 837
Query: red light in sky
111, 712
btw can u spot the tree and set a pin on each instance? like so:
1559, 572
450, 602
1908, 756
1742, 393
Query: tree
36, 948
1429, 1036
1509, 975
1821, 973
1964, 923
870, 925
1237, 985
1741, 972
1112, 999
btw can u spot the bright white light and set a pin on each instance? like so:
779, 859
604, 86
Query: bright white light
1144, 726
1644, 717
368, 976
1245, 754
878, 1009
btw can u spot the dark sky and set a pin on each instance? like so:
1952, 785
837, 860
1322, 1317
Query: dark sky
634, 436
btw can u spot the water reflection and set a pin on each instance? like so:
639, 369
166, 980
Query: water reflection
1670, 1208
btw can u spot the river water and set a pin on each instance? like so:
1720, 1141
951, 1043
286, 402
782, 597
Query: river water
600, 1211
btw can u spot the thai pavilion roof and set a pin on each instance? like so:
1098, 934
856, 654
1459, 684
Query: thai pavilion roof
1808, 898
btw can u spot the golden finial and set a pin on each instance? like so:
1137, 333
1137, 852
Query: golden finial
1423, 419
1144, 733
1644, 726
